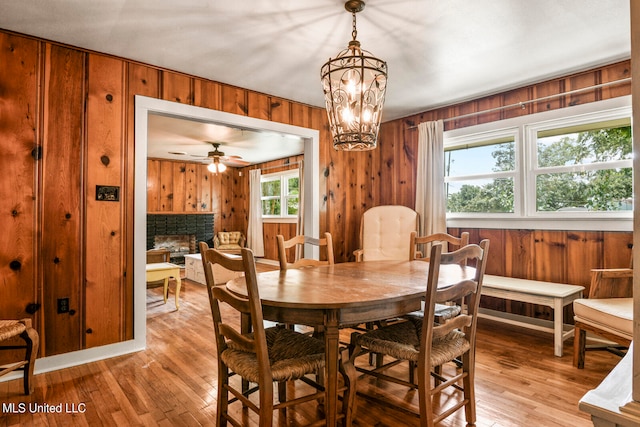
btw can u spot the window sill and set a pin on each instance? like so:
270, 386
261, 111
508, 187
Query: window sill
576, 224
279, 220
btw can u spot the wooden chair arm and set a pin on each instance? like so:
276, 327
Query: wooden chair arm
611, 283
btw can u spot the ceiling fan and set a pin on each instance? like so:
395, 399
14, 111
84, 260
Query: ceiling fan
219, 161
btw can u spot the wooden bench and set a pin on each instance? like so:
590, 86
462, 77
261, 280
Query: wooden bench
554, 295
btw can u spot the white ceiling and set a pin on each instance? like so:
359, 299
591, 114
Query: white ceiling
438, 52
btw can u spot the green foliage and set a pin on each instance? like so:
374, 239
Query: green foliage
592, 190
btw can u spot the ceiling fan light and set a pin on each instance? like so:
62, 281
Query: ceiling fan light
216, 167
354, 85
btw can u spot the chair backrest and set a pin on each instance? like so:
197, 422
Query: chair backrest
611, 283
283, 245
158, 255
225, 321
384, 233
467, 291
416, 240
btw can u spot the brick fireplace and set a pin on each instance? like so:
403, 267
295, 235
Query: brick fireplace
180, 233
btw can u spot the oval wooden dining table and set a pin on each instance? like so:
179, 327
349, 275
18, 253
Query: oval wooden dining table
345, 294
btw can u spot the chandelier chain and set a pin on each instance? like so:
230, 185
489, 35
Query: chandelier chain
354, 32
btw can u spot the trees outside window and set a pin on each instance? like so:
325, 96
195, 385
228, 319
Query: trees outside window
280, 194
579, 166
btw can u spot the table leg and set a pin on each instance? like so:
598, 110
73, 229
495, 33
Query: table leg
558, 326
331, 339
166, 289
178, 285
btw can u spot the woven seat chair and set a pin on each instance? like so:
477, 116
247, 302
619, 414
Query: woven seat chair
264, 356
443, 311
10, 329
429, 344
298, 242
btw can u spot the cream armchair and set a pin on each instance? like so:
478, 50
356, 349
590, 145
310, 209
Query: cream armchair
385, 233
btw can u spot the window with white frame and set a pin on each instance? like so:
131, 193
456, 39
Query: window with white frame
280, 194
559, 165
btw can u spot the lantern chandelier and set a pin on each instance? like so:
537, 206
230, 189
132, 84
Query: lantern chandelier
354, 85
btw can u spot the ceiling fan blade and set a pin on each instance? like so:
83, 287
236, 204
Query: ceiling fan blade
235, 162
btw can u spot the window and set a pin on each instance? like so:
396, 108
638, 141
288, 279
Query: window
280, 194
480, 176
563, 165
583, 168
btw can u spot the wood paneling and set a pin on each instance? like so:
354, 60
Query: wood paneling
141, 80
62, 252
177, 87
19, 134
104, 247
20, 75
553, 256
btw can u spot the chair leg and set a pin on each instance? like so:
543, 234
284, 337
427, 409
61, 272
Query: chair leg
349, 374
468, 366
579, 343
31, 338
223, 395
425, 397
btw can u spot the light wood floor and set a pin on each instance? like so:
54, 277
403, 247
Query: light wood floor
173, 382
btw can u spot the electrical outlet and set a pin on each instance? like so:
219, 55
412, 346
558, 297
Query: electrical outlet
63, 305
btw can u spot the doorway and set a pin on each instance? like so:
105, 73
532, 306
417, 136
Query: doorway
145, 106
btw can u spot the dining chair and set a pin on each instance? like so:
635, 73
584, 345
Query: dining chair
265, 355
11, 329
606, 313
384, 233
298, 243
445, 310
429, 344
415, 240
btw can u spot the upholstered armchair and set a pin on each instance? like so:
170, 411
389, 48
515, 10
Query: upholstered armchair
229, 241
607, 313
385, 232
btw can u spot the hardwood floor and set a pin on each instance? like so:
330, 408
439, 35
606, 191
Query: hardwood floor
173, 382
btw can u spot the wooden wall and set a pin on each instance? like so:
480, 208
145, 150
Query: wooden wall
67, 125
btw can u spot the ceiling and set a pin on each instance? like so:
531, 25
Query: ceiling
438, 52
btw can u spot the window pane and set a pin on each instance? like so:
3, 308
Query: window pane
584, 147
293, 185
271, 188
480, 159
271, 207
601, 190
485, 195
292, 205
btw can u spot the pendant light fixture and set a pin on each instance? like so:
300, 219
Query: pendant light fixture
354, 85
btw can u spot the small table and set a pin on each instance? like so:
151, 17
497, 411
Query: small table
345, 294
163, 271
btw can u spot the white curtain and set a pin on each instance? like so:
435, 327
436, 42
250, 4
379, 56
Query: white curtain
300, 225
255, 241
430, 197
